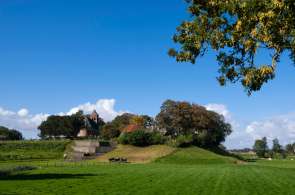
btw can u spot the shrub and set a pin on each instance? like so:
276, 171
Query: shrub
123, 138
104, 143
141, 138
158, 138
184, 140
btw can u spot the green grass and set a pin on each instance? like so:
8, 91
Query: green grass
32, 150
185, 171
195, 156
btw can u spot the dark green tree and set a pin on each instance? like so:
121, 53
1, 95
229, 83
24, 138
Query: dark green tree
236, 30
10, 134
260, 147
276, 147
77, 121
290, 149
62, 126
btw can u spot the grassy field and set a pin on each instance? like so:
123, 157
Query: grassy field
183, 171
32, 150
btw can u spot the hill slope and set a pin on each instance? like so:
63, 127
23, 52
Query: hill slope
195, 155
166, 154
138, 154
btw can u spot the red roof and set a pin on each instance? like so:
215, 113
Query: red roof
131, 128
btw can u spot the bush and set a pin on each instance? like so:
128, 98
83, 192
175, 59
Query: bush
184, 140
141, 138
124, 138
104, 143
158, 138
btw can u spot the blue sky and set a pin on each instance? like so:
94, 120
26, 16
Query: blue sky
58, 54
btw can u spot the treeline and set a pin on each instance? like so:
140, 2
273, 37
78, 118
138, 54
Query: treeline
262, 149
10, 134
179, 123
67, 126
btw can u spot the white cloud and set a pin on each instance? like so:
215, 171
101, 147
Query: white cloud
281, 127
244, 135
238, 138
28, 123
23, 112
104, 107
220, 109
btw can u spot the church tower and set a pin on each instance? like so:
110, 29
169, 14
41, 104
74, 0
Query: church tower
94, 116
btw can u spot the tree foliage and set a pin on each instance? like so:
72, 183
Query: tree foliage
110, 131
290, 148
182, 118
276, 146
10, 134
66, 126
260, 147
237, 30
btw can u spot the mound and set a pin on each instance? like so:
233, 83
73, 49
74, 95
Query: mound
195, 155
138, 154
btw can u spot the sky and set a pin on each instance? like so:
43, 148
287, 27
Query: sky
57, 56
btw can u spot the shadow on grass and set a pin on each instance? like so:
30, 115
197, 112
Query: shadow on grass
45, 176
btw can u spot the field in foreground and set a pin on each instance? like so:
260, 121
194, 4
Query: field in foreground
185, 171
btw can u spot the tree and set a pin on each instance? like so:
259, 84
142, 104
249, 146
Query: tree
290, 149
110, 131
260, 147
123, 120
77, 121
277, 148
10, 134
56, 126
237, 31
65, 126
182, 118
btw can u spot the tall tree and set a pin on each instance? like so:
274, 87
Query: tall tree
290, 148
182, 118
237, 30
276, 147
66, 126
260, 147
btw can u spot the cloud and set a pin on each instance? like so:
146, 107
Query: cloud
244, 134
104, 107
239, 138
220, 109
28, 123
23, 112
281, 127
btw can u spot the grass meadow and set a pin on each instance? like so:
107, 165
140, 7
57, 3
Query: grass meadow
183, 171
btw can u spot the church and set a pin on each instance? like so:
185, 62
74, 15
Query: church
92, 125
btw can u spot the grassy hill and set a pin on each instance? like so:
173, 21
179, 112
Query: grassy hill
195, 155
138, 154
